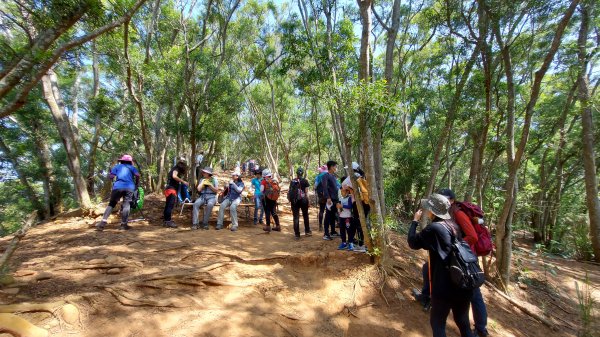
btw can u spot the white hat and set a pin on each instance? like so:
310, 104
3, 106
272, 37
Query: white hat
266, 173
347, 183
355, 165
236, 172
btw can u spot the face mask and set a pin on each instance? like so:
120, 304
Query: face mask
480, 221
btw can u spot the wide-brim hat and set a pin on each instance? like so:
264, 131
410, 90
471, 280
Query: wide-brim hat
126, 157
438, 205
266, 173
208, 170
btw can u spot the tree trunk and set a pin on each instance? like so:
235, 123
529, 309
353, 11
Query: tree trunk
97, 124
35, 201
504, 229
587, 123
49, 81
52, 192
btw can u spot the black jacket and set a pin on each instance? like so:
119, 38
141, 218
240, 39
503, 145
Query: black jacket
436, 239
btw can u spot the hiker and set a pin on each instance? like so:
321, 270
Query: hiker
321, 201
198, 168
436, 238
347, 224
363, 193
232, 199
331, 194
174, 182
269, 189
127, 180
244, 166
298, 197
258, 202
468, 234
207, 188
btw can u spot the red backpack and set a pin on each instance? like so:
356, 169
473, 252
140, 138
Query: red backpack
484, 245
271, 189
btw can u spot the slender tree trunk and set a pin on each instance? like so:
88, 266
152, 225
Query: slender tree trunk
52, 190
97, 124
587, 123
49, 81
35, 201
504, 227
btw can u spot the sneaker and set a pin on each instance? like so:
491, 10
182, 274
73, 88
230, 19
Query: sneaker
335, 234
219, 227
297, 237
360, 249
169, 224
194, 227
421, 298
478, 333
308, 234
261, 222
327, 238
277, 229
343, 246
205, 227
100, 226
234, 228
350, 246
125, 227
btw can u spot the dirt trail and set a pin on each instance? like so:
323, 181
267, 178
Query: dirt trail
152, 281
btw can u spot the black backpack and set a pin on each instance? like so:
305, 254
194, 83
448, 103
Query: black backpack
463, 265
295, 192
321, 192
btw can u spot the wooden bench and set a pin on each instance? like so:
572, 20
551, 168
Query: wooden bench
245, 203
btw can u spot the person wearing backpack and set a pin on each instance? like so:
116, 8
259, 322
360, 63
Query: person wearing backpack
319, 195
269, 188
363, 193
347, 223
438, 240
331, 194
232, 200
298, 198
174, 181
258, 204
207, 188
127, 178
468, 225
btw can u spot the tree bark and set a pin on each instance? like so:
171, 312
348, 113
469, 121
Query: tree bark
52, 190
49, 81
587, 123
504, 227
97, 124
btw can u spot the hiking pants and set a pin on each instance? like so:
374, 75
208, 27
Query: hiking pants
232, 204
321, 213
479, 311
330, 218
258, 206
127, 196
440, 308
169, 205
301, 205
426, 290
205, 199
271, 209
359, 230
351, 229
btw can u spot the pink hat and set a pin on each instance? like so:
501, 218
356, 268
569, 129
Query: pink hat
126, 157
323, 169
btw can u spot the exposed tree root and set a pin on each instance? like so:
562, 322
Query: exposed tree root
20, 327
126, 300
98, 266
170, 248
31, 307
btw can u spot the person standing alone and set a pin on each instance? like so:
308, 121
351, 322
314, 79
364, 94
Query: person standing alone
298, 197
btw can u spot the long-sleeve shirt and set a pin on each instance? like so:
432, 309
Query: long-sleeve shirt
330, 186
468, 231
235, 189
436, 239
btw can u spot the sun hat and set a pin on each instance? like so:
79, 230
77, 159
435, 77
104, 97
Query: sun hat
438, 205
236, 172
266, 173
208, 170
347, 183
126, 157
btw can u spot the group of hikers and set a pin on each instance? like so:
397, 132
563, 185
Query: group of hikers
451, 224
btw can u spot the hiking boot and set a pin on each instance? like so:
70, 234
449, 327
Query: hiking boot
308, 234
350, 246
219, 227
194, 227
205, 227
421, 298
124, 227
169, 224
327, 238
478, 333
100, 226
343, 246
297, 237
267, 229
277, 229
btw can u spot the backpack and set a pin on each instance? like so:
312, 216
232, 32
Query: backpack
295, 193
463, 265
271, 189
484, 245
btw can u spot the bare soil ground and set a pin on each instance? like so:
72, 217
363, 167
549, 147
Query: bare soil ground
153, 281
